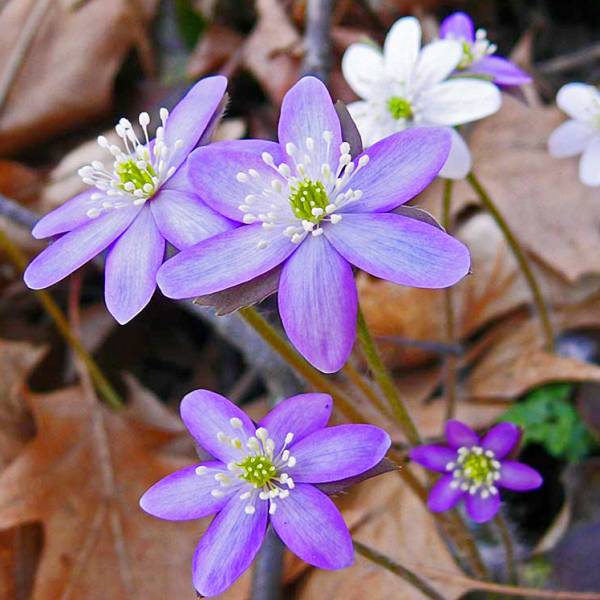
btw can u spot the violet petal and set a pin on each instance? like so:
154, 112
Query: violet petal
481, 509
443, 496
518, 476
501, 439
458, 435
433, 457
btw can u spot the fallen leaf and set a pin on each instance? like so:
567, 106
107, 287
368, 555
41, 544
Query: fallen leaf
82, 477
61, 81
216, 46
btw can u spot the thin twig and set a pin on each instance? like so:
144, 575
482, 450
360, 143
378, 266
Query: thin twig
507, 542
385, 381
387, 563
589, 54
16, 213
103, 386
317, 41
521, 258
450, 361
21, 49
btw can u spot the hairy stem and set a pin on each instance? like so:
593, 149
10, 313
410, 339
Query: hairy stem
102, 384
521, 258
387, 563
506, 537
449, 310
385, 381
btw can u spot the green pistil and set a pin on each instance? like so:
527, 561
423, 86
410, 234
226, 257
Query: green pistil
307, 198
400, 108
468, 57
477, 467
257, 470
130, 172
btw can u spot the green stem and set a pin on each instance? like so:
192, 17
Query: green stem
102, 384
521, 258
385, 381
449, 309
397, 569
506, 537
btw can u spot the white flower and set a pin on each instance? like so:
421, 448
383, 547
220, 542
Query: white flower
581, 133
406, 86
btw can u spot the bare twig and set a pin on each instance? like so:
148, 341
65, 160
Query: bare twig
317, 41
19, 54
572, 60
16, 213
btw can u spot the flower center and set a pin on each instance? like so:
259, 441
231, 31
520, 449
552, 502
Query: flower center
475, 51
400, 108
475, 470
257, 470
138, 170
309, 200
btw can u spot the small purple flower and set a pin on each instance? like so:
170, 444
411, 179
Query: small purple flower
306, 204
264, 474
135, 204
478, 52
474, 469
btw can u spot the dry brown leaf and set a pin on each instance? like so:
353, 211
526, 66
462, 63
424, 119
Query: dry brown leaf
67, 74
216, 46
386, 515
82, 477
553, 214
267, 52
18, 181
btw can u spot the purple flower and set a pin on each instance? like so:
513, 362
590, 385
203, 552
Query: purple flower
264, 474
477, 52
305, 204
474, 469
135, 204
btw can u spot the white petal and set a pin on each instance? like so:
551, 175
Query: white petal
458, 163
362, 67
579, 101
459, 101
373, 120
436, 61
589, 167
569, 139
401, 49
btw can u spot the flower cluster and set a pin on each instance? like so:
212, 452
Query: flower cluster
263, 474
473, 469
445, 83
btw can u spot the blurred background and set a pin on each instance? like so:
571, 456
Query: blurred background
71, 473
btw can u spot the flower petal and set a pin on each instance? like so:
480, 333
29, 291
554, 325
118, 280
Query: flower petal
458, 26
436, 61
502, 71
443, 496
433, 457
308, 112
578, 100
228, 547
458, 164
589, 166
206, 414
68, 216
223, 261
501, 439
458, 435
569, 139
131, 266
459, 101
77, 247
400, 166
399, 249
401, 48
335, 453
184, 220
186, 495
362, 67
213, 173
318, 304
519, 477
481, 509
301, 415
191, 116
311, 526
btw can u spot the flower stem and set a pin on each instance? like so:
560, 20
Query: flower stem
102, 384
385, 381
367, 390
449, 309
506, 537
521, 258
387, 563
